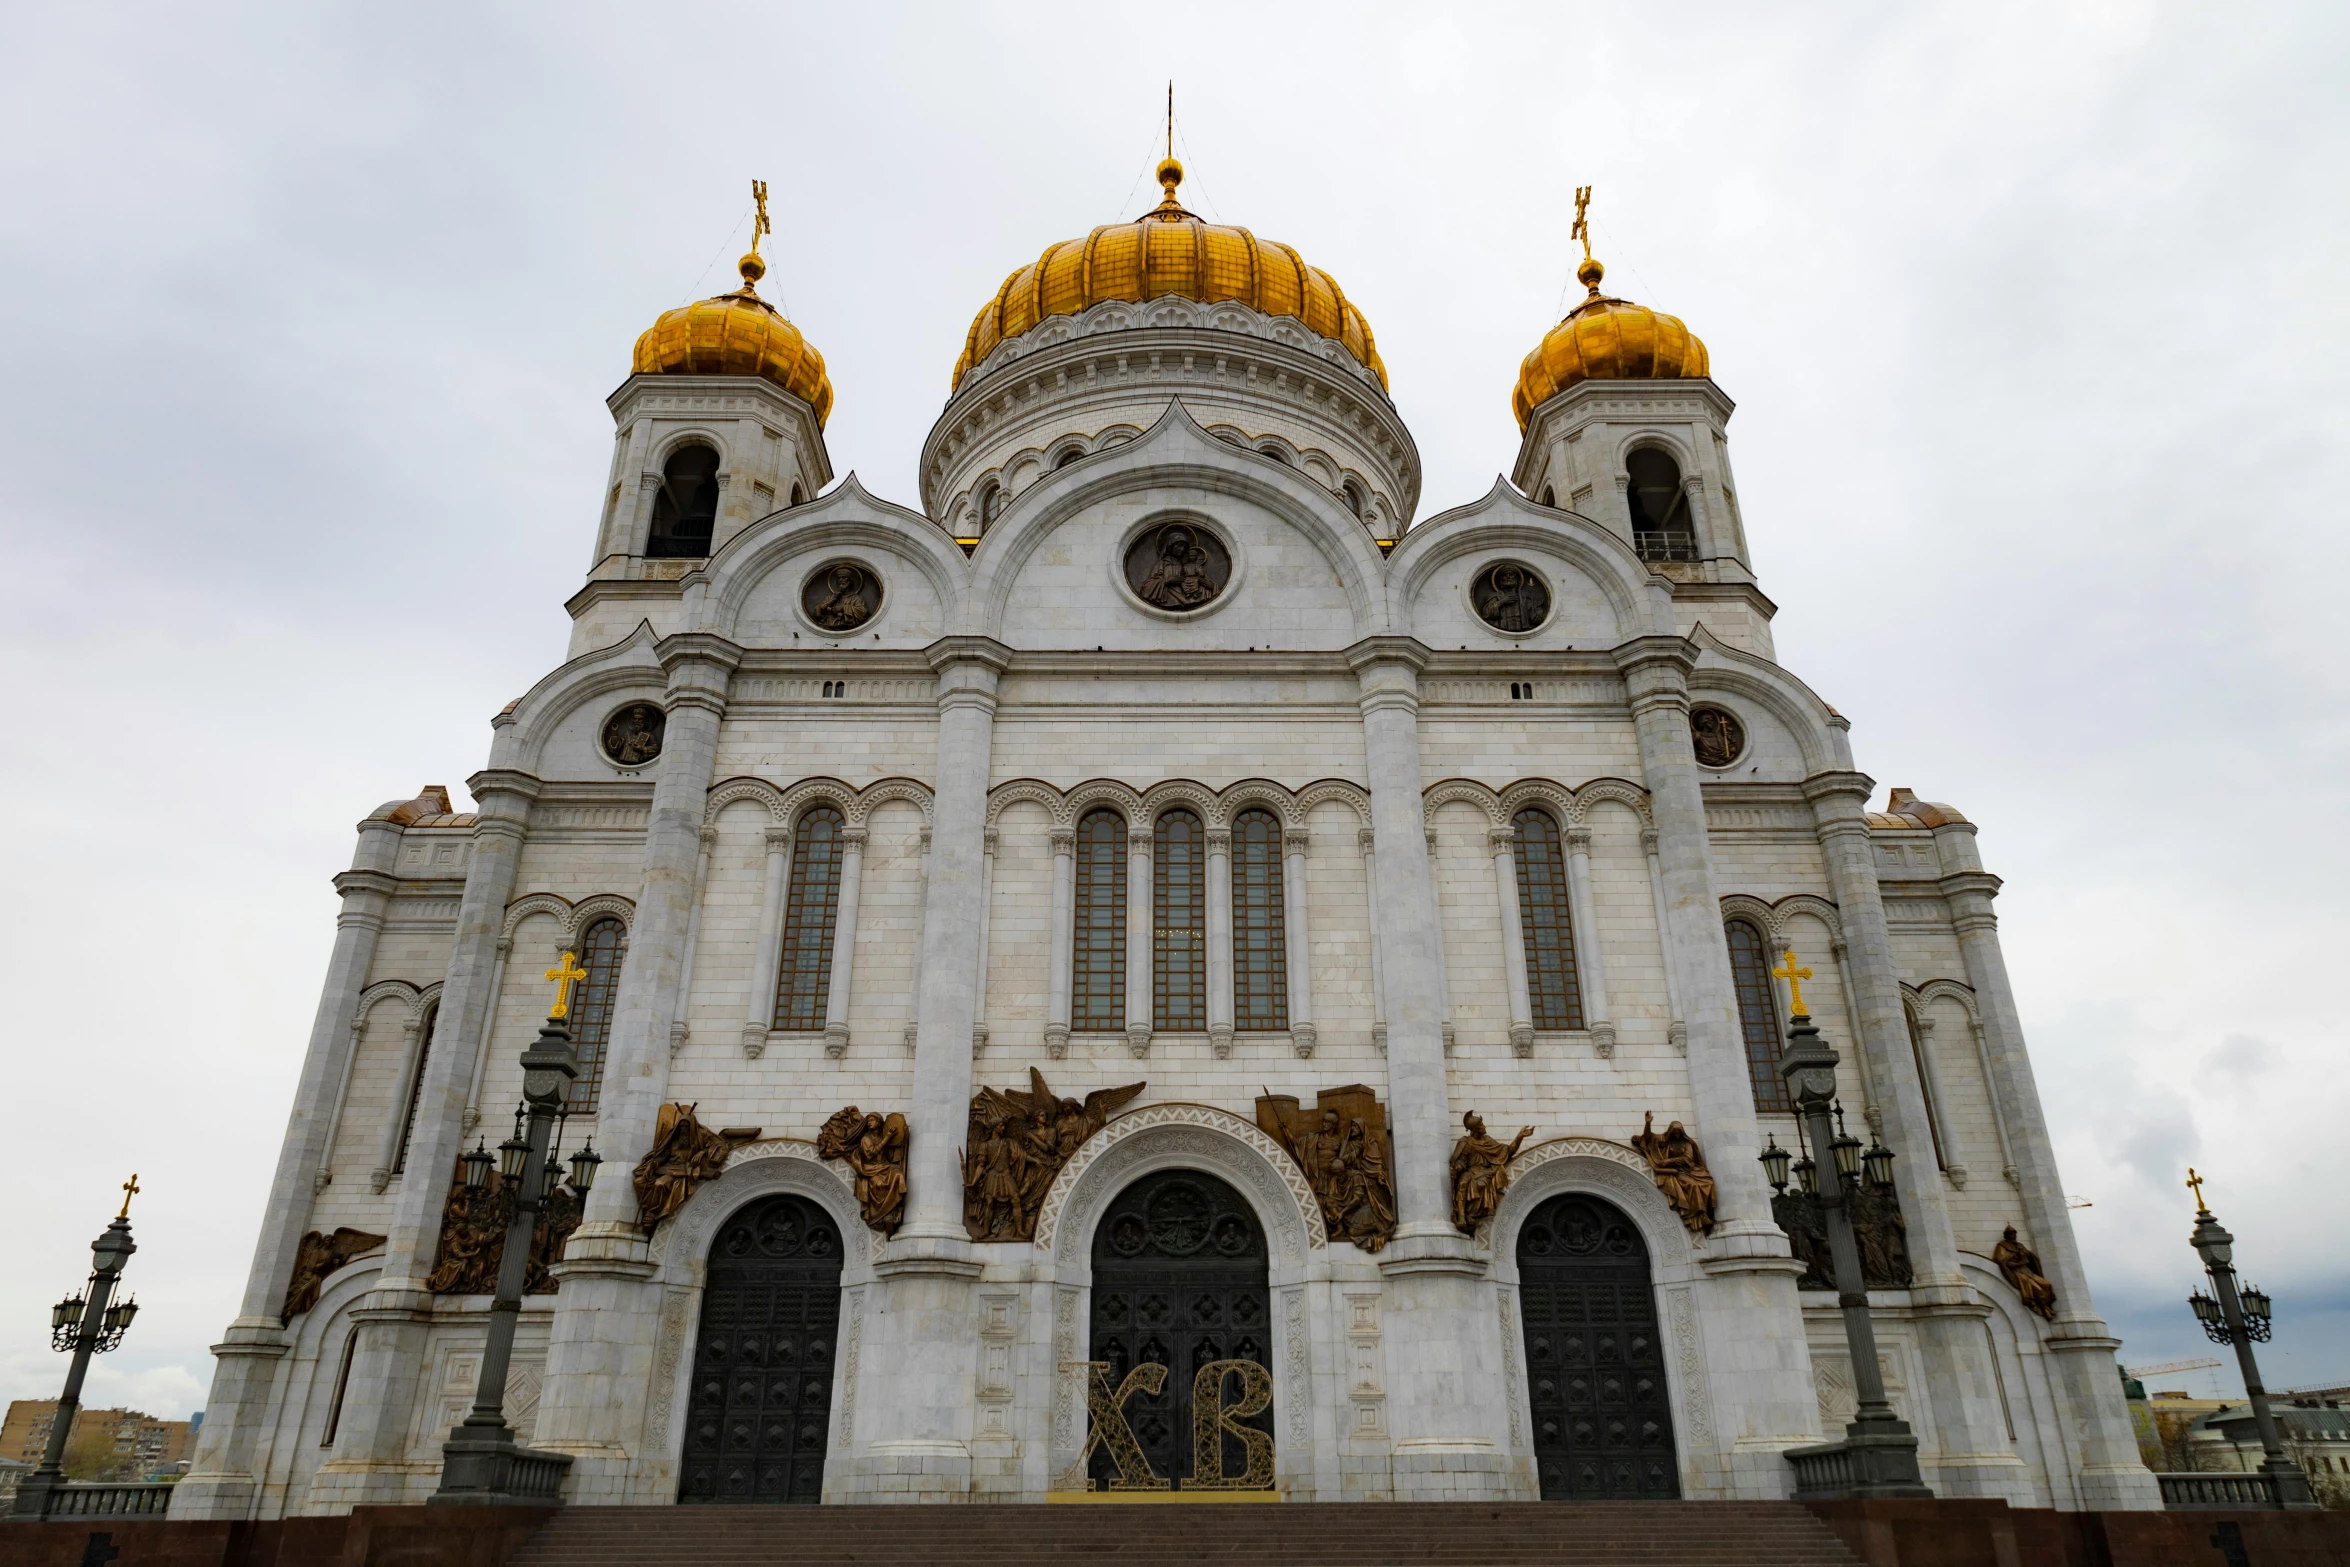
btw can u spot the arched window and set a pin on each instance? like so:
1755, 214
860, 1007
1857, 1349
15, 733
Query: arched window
1917, 1052
991, 505
1067, 455
1276, 453
1660, 508
432, 1020
1179, 924
1097, 1001
1544, 920
600, 950
804, 976
1549, 496
1354, 496
685, 510
799, 497
1758, 1014
1260, 953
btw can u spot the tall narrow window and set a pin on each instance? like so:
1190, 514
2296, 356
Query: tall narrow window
804, 976
334, 1410
432, 1020
1260, 956
685, 509
1179, 925
1660, 509
1097, 1002
1917, 1051
1758, 1014
600, 948
1548, 927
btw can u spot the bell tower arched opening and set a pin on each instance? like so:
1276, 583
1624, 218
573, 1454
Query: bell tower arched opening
1603, 1416
760, 1410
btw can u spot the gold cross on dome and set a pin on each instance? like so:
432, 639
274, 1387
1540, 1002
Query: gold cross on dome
563, 974
2195, 1184
1582, 229
760, 225
130, 1189
1794, 977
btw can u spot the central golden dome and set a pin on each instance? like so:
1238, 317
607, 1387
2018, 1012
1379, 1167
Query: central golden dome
1169, 251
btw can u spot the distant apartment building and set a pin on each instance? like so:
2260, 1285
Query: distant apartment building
142, 1446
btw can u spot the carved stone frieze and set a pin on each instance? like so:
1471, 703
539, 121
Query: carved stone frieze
316, 1256
1877, 1226
473, 1237
685, 1153
873, 1146
1343, 1147
1019, 1140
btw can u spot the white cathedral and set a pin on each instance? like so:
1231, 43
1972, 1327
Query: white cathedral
1163, 842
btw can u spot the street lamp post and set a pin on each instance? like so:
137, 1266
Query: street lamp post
2242, 1318
1879, 1454
89, 1323
481, 1462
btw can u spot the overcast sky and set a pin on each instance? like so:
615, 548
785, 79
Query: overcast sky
2034, 316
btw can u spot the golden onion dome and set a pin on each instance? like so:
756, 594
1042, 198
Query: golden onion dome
1606, 339
1169, 251
737, 334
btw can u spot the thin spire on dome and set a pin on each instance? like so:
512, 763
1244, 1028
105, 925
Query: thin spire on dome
1590, 272
751, 266
1169, 210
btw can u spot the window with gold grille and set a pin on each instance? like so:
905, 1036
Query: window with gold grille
1179, 921
1097, 1001
1758, 1014
1546, 924
600, 949
1260, 954
803, 979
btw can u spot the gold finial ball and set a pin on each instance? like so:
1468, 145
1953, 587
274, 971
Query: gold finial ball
1589, 273
752, 267
1170, 173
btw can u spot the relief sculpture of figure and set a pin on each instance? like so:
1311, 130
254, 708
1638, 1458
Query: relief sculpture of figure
685, 1153
1679, 1167
1511, 598
1481, 1173
1179, 578
2021, 1264
1019, 1140
1340, 1145
316, 1255
873, 1146
843, 605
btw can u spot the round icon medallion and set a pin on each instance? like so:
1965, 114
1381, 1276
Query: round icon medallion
1718, 736
841, 595
1509, 597
1177, 566
632, 736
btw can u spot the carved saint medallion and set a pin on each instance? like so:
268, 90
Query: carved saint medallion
841, 596
1718, 735
632, 736
1177, 566
1510, 597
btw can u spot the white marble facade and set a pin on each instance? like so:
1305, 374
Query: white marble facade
1002, 689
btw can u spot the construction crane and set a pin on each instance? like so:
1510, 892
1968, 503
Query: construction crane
2168, 1366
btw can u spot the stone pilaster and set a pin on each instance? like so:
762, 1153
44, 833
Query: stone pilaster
918, 1357
600, 1346
1220, 1009
1975, 1457
1503, 844
223, 1480
844, 942
1064, 955
2079, 1344
372, 1444
1140, 841
769, 954
1446, 1400
1298, 939
1752, 1316
1590, 964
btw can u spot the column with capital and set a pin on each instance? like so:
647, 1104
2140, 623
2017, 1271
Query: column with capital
1139, 930
222, 1480
1296, 940
1061, 964
393, 1320
919, 1335
1751, 1317
600, 1346
1446, 1401
1503, 841
1975, 1457
1583, 913
769, 954
2080, 1346
1219, 936
844, 942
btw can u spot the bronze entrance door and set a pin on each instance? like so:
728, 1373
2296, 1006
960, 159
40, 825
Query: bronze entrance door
1178, 1280
1603, 1420
756, 1425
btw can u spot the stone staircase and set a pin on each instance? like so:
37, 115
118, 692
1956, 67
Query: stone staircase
1369, 1534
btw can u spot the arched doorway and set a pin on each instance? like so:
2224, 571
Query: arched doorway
1603, 1419
761, 1405
1178, 1279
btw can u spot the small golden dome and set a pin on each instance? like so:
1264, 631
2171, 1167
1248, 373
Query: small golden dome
1169, 251
1606, 339
737, 334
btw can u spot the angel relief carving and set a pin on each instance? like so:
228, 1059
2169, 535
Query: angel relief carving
1019, 1140
1342, 1146
873, 1146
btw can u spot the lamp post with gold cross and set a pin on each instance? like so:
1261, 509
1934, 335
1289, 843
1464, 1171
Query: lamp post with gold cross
2239, 1316
481, 1463
87, 1324
1879, 1454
